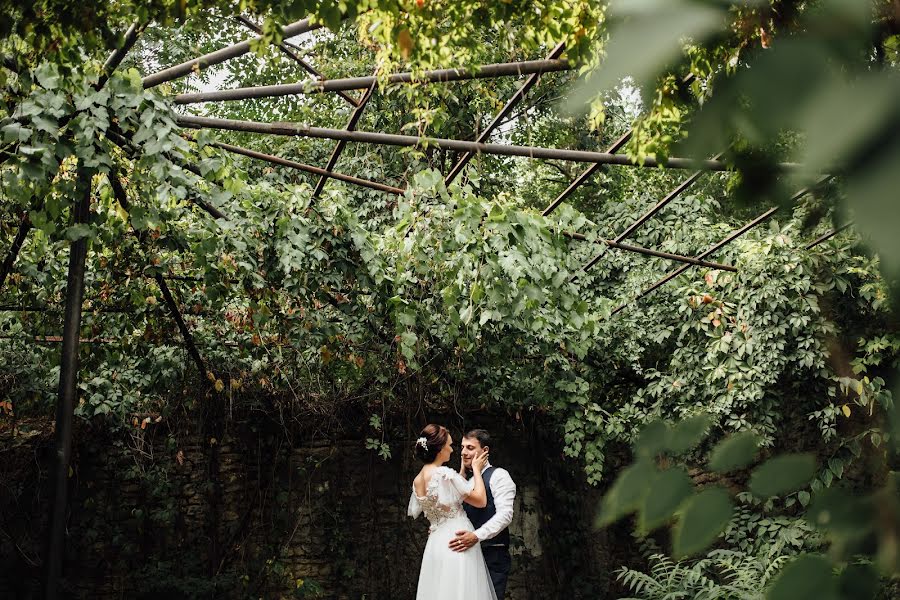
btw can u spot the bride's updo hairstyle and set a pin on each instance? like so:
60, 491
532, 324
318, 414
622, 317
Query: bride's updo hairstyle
430, 442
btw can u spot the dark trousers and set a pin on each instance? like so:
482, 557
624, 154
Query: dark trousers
498, 564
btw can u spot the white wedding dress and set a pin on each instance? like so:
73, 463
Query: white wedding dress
446, 574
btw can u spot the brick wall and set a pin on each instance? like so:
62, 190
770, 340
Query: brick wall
157, 514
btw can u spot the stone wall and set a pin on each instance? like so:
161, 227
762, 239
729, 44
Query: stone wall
163, 514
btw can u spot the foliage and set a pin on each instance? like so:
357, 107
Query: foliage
853, 525
354, 310
721, 574
443, 275
796, 88
798, 83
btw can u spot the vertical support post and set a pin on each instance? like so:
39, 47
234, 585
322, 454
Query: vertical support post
65, 407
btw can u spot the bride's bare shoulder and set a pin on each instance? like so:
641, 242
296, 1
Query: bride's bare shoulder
420, 482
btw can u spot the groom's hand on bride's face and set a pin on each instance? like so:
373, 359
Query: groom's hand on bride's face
463, 541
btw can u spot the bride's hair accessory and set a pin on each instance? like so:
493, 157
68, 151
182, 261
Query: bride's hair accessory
431, 440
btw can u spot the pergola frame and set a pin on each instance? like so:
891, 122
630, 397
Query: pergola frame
535, 69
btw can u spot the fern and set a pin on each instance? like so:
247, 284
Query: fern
730, 574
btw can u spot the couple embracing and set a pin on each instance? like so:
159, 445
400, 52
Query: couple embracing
467, 553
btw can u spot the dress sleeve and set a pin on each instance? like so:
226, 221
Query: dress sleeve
452, 487
415, 507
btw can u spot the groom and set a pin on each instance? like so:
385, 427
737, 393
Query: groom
491, 522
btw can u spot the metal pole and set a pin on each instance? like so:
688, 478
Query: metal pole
510, 104
18, 241
122, 198
827, 236
288, 50
182, 327
715, 248
307, 168
587, 174
313, 86
65, 407
662, 203
697, 262
115, 59
731, 237
295, 129
647, 215
351, 125
220, 56
125, 144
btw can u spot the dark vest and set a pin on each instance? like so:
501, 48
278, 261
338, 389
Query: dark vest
480, 516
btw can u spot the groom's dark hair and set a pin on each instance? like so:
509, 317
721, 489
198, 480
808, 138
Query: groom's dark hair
483, 437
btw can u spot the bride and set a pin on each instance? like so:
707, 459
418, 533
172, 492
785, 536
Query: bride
439, 491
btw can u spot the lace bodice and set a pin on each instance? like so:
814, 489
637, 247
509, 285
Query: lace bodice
443, 497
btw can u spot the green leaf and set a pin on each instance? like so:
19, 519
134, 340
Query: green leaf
76, 232
859, 582
649, 36
626, 493
534, 292
668, 490
806, 577
841, 513
408, 341
703, 518
407, 318
477, 292
734, 452
14, 132
835, 135
47, 75
782, 474
45, 123
653, 440
688, 433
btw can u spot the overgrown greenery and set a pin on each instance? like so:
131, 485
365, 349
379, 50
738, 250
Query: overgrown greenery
354, 309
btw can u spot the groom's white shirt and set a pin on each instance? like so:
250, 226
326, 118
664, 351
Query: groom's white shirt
503, 488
